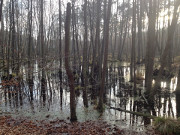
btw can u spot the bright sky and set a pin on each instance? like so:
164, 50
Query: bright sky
55, 4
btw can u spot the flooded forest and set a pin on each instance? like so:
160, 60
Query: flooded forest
90, 67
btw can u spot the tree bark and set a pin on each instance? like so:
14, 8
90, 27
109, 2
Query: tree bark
150, 50
140, 13
97, 38
43, 80
101, 48
13, 50
60, 51
67, 66
1, 6
85, 60
1, 32
30, 79
106, 43
178, 83
133, 62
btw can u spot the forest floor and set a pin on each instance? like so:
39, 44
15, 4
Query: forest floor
23, 126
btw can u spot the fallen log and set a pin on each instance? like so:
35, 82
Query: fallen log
135, 113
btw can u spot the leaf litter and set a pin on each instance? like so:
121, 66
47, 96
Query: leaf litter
22, 126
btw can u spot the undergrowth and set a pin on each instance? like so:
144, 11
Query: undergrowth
167, 126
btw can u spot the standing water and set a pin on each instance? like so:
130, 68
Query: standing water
15, 98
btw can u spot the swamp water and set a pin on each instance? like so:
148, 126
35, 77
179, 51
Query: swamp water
57, 105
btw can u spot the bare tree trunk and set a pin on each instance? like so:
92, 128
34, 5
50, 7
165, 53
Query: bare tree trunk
67, 66
1, 33
9, 41
92, 28
169, 59
126, 29
1, 6
101, 48
85, 60
77, 42
139, 30
13, 37
60, 50
150, 54
97, 38
132, 67
106, 42
29, 49
178, 94
73, 39
133, 62
43, 80
150, 50
115, 32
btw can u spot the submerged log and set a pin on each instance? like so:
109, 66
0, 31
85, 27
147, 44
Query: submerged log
134, 113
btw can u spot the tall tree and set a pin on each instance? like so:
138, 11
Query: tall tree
1, 6
67, 65
60, 49
150, 54
43, 80
13, 49
85, 60
1, 31
140, 14
97, 38
106, 43
101, 47
133, 55
150, 50
126, 29
73, 35
95, 46
29, 48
